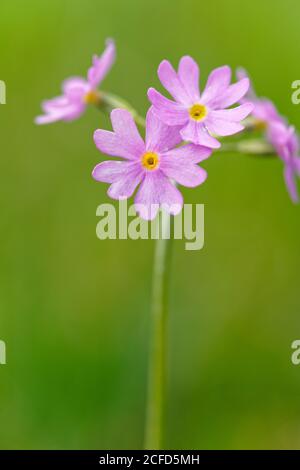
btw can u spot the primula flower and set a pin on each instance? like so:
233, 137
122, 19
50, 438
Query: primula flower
153, 164
78, 92
264, 111
279, 134
286, 144
200, 116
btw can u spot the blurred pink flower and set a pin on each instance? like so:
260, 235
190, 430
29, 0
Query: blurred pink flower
286, 144
78, 92
200, 115
153, 164
279, 134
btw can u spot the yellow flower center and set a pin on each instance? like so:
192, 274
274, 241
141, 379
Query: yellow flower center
260, 125
92, 97
150, 160
198, 112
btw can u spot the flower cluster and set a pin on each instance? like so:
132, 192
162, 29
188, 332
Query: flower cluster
180, 132
179, 135
282, 137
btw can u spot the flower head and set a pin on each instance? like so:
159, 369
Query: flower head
153, 164
286, 144
200, 116
78, 92
278, 133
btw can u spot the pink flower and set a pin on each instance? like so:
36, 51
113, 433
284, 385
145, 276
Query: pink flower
286, 144
279, 134
78, 92
200, 115
153, 164
264, 110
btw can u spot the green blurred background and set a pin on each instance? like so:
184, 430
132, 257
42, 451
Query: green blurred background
75, 310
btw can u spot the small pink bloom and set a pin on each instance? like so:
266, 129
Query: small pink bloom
153, 164
286, 144
200, 116
78, 92
279, 134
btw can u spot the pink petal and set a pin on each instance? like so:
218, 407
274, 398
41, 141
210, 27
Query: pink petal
293, 142
218, 81
156, 190
102, 65
54, 104
125, 186
265, 110
188, 73
111, 144
233, 115
147, 198
189, 153
172, 83
278, 133
160, 136
223, 127
125, 128
196, 133
183, 172
48, 118
124, 176
241, 73
74, 112
111, 171
233, 94
62, 113
168, 111
290, 182
75, 88
296, 164
169, 196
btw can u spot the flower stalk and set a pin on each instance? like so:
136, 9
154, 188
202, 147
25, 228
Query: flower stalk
180, 133
109, 101
259, 147
158, 348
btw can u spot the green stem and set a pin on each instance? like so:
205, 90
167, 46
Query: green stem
161, 272
158, 349
257, 147
108, 102
161, 275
